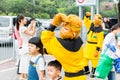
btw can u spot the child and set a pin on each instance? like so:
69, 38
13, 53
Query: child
54, 69
37, 62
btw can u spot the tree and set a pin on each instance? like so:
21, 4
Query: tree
5, 6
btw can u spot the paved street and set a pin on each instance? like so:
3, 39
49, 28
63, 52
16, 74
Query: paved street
8, 70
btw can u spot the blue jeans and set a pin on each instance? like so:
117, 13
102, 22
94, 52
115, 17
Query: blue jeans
111, 75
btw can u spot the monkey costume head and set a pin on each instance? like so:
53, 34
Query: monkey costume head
71, 25
97, 20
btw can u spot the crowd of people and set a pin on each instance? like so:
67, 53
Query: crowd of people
70, 52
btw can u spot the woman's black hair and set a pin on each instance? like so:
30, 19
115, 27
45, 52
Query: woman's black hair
18, 19
36, 41
114, 27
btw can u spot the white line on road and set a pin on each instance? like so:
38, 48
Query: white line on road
7, 69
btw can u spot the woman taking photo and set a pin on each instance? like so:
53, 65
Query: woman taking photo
25, 34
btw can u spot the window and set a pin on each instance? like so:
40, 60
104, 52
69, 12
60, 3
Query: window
4, 22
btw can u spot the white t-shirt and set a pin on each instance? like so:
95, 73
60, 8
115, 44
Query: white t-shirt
25, 37
110, 39
40, 64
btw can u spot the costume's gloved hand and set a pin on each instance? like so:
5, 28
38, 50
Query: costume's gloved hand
112, 48
96, 53
58, 19
87, 14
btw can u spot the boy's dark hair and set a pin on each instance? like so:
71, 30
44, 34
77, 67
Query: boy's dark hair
36, 41
55, 64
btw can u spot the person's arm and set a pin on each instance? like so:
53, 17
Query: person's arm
18, 37
32, 26
29, 27
99, 43
118, 51
29, 32
87, 20
41, 68
103, 26
42, 75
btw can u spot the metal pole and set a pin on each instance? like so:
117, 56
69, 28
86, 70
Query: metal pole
80, 16
80, 12
14, 46
97, 7
92, 12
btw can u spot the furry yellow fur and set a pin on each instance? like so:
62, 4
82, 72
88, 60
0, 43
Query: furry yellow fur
97, 21
88, 14
71, 25
58, 19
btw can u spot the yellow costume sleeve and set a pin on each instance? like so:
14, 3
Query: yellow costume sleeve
87, 22
100, 39
47, 39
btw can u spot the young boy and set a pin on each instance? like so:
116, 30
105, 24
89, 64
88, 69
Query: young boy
37, 62
54, 69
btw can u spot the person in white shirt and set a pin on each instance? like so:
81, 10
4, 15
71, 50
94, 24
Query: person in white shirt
25, 34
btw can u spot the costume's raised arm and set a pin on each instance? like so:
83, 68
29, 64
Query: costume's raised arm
47, 37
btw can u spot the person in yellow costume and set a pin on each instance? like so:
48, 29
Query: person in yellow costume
87, 21
68, 48
93, 45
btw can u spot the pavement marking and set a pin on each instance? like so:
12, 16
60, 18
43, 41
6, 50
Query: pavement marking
7, 69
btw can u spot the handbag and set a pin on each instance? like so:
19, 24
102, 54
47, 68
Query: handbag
104, 66
117, 65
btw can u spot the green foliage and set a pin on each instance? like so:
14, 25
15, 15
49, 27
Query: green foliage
72, 10
44, 16
109, 13
45, 8
61, 10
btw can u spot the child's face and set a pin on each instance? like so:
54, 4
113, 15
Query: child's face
53, 72
32, 48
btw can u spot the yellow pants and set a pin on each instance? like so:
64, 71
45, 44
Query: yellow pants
75, 78
93, 61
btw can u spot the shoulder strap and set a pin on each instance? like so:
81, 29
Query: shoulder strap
38, 59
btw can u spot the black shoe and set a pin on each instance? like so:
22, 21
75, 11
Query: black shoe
86, 70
